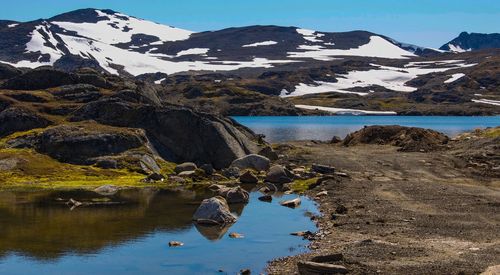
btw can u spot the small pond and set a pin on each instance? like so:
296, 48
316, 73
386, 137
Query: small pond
128, 233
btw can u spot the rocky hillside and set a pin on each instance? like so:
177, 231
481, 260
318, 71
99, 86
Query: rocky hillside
473, 42
85, 124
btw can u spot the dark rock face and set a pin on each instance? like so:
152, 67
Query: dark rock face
473, 41
178, 134
47, 77
7, 71
74, 144
16, 119
410, 139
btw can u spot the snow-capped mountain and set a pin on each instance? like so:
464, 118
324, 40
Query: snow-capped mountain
121, 44
472, 41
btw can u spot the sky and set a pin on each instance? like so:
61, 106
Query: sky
429, 23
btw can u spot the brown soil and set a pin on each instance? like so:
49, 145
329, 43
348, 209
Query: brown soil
406, 212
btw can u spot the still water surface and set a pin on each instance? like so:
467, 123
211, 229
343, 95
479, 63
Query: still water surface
41, 235
279, 129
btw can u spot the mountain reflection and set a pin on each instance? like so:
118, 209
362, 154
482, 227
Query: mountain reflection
41, 225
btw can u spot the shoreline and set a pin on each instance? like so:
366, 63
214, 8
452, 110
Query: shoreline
390, 219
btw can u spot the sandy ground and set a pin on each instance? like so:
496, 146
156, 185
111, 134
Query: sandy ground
407, 213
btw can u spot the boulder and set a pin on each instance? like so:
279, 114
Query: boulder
249, 177
323, 169
269, 153
208, 169
214, 209
184, 167
335, 140
17, 119
292, 203
231, 172
278, 174
231, 194
178, 134
253, 161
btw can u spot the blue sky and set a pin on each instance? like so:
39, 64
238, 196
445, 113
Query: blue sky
424, 22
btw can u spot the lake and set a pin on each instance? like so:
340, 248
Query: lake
128, 233
289, 128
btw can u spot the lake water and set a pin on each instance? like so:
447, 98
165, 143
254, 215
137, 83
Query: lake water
279, 129
40, 234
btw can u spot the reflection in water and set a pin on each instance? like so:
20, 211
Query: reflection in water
129, 233
279, 129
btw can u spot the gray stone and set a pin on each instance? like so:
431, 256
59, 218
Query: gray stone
253, 161
231, 172
107, 190
231, 194
214, 209
291, 203
208, 168
249, 177
323, 169
278, 174
187, 166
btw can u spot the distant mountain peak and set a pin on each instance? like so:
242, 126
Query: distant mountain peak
472, 41
118, 43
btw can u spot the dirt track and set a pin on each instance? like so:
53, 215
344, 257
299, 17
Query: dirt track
407, 213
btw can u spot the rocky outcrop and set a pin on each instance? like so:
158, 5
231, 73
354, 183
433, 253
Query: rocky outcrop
47, 77
178, 134
82, 144
7, 71
16, 119
214, 211
410, 139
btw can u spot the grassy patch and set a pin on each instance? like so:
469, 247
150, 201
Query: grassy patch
303, 185
492, 133
31, 169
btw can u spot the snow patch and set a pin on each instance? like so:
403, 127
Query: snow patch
310, 35
263, 43
376, 47
345, 111
193, 51
112, 30
392, 78
487, 101
454, 78
457, 48
12, 25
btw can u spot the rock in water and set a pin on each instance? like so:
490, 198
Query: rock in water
175, 244
184, 167
106, 190
253, 161
291, 203
214, 209
232, 195
278, 174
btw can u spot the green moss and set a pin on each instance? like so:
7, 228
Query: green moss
303, 185
491, 133
35, 170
